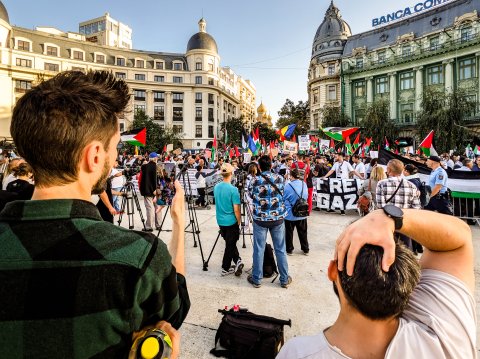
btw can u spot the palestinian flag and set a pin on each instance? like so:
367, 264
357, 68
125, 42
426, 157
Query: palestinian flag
387, 145
137, 137
476, 151
366, 146
226, 136
348, 146
339, 133
468, 151
214, 148
427, 145
356, 143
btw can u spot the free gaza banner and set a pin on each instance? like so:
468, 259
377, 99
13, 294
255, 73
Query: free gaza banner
336, 193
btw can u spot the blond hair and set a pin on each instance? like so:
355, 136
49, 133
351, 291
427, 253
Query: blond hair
378, 173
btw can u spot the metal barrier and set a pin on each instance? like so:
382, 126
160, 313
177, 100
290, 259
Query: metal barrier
466, 205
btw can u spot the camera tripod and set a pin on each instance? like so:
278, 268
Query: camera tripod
129, 202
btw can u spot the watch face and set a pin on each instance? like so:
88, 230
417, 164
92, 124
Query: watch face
394, 211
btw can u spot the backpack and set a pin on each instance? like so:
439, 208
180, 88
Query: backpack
425, 192
364, 203
269, 264
302, 171
300, 208
245, 335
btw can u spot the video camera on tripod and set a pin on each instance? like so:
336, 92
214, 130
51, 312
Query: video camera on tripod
130, 171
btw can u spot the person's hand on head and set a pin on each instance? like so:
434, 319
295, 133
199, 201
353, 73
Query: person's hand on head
178, 203
376, 229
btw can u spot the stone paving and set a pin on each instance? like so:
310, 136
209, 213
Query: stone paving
309, 302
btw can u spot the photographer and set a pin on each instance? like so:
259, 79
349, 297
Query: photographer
148, 189
201, 185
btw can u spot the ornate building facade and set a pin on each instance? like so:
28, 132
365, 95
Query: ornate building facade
263, 115
191, 92
439, 48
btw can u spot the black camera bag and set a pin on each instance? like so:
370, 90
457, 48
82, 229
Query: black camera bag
245, 335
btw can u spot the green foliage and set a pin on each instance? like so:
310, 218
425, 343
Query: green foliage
298, 114
234, 127
332, 116
377, 123
156, 136
445, 114
265, 132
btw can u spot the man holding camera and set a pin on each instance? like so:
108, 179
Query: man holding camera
148, 189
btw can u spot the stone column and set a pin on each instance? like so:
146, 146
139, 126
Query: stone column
149, 103
448, 75
369, 89
393, 95
347, 97
168, 109
418, 87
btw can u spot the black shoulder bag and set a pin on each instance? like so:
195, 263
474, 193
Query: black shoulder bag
394, 193
273, 184
300, 208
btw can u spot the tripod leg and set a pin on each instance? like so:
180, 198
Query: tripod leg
137, 203
205, 263
163, 220
122, 207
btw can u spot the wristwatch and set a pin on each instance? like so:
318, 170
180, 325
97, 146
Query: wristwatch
394, 213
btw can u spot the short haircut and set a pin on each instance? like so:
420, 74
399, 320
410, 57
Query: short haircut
265, 163
23, 169
412, 169
294, 173
377, 294
396, 166
356, 157
54, 121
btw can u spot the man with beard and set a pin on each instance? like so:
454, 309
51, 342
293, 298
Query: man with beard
74, 286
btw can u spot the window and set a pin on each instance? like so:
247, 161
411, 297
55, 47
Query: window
406, 112
177, 97
407, 80
331, 69
22, 85
210, 131
466, 68
359, 115
198, 114
435, 43
466, 34
198, 97
472, 99
198, 66
177, 79
24, 62
315, 96
178, 113
51, 67
210, 67
139, 95
23, 45
177, 66
381, 84
359, 88
211, 81
159, 113
157, 78
198, 131
120, 61
138, 108
382, 57
359, 62
52, 51
77, 55
121, 75
140, 77
158, 96
210, 99
198, 80
159, 65
177, 128
435, 75
406, 50
100, 59
332, 93
315, 121
140, 64
210, 115
122, 127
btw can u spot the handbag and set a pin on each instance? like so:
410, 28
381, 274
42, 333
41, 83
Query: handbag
245, 335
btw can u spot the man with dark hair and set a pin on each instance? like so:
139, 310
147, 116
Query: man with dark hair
391, 306
264, 188
74, 286
438, 182
148, 189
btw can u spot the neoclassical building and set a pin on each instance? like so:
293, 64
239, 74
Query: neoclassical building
191, 92
439, 48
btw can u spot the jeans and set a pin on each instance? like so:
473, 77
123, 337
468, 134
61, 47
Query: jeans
116, 199
230, 234
259, 242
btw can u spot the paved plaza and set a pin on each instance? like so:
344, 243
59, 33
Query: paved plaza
309, 302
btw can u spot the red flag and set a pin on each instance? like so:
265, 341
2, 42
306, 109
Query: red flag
164, 149
272, 145
332, 144
356, 143
232, 152
257, 133
214, 142
237, 152
294, 138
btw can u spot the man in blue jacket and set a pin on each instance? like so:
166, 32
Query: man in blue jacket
293, 191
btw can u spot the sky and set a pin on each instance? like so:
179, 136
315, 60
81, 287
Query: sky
266, 41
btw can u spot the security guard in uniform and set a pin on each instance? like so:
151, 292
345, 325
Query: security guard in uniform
438, 183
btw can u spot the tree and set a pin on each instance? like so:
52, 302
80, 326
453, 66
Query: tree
157, 137
234, 127
377, 123
445, 114
333, 117
295, 114
265, 132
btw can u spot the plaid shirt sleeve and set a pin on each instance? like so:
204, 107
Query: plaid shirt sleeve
379, 194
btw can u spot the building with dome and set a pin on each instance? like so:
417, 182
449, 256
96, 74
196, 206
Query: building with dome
190, 92
437, 48
263, 115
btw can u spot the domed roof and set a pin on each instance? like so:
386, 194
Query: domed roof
201, 40
3, 13
262, 108
331, 34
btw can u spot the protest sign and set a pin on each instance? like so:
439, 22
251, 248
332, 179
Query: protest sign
247, 157
290, 147
304, 142
170, 147
336, 193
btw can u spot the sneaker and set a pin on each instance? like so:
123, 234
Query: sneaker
331, 211
238, 268
305, 253
250, 280
289, 254
231, 270
285, 285
342, 213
